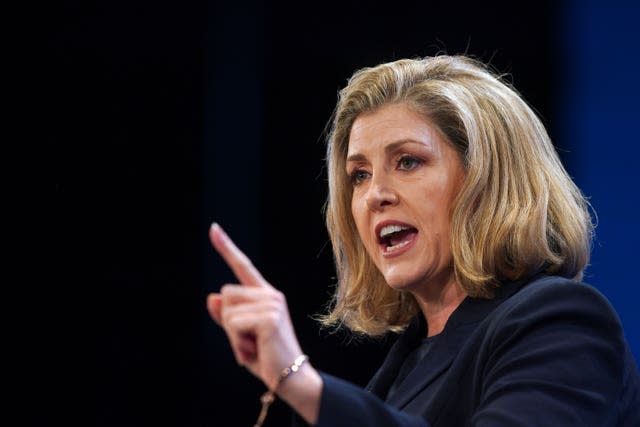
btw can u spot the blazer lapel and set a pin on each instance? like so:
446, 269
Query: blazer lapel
459, 327
386, 374
436, 362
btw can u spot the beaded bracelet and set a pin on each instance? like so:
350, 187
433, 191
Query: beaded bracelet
270, 395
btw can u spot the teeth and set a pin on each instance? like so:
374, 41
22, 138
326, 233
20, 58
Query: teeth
396, 247
389, 229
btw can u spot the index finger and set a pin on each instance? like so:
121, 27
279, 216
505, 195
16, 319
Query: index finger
239, 263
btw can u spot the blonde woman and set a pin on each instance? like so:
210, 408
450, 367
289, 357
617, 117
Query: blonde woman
455, 225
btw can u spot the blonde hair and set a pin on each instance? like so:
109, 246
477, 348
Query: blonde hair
518, 212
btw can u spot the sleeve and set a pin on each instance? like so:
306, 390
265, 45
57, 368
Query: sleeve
556, 358
346, 405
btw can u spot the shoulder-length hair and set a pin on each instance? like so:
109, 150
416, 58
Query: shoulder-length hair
518, 212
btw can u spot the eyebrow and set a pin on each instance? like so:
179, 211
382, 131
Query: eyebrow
358, 157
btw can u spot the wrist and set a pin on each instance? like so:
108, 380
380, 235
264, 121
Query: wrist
303, 392
300, 386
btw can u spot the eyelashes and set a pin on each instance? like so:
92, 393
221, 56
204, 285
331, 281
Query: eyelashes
358, 176
405, 163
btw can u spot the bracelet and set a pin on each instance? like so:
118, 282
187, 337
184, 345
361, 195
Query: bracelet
270, 395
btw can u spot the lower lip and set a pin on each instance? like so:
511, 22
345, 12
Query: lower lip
400, 251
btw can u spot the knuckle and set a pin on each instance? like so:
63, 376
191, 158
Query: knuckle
273, 318
234, 325
278, 296
226, 318
226, 289
273, 306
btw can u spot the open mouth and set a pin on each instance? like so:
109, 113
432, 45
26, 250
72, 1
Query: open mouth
395, 237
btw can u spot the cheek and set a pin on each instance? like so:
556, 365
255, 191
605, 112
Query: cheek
435, 222
357, 218
359, 215
356, 209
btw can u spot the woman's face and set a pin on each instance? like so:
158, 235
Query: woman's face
405, 177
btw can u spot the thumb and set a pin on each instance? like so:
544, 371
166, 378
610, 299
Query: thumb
214, 306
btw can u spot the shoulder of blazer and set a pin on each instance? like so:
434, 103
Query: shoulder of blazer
553, 293
553, 301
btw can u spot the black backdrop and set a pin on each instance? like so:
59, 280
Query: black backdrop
166, 116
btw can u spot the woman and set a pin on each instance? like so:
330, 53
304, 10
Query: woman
453, 223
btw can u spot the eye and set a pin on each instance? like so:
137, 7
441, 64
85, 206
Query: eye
358, 175
407, 163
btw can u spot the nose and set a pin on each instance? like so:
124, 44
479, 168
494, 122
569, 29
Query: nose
380, 194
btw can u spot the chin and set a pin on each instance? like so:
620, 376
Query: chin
401, 282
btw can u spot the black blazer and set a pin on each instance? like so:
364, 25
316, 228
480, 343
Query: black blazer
550, 352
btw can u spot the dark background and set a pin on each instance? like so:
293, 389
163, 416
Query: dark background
165, 116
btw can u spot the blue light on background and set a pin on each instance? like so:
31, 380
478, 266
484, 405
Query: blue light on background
599, 120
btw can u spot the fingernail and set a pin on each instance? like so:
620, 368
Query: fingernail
216, 226
222, 235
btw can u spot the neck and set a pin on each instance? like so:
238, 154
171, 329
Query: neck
438, 304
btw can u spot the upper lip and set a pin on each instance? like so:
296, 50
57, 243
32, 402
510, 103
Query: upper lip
383, 224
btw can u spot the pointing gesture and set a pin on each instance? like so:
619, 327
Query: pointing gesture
253, 313
239, 263
255, 317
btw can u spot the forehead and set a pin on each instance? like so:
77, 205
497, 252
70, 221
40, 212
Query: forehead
389, 124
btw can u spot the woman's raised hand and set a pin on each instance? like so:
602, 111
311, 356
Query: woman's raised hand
253, 314
256, 319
